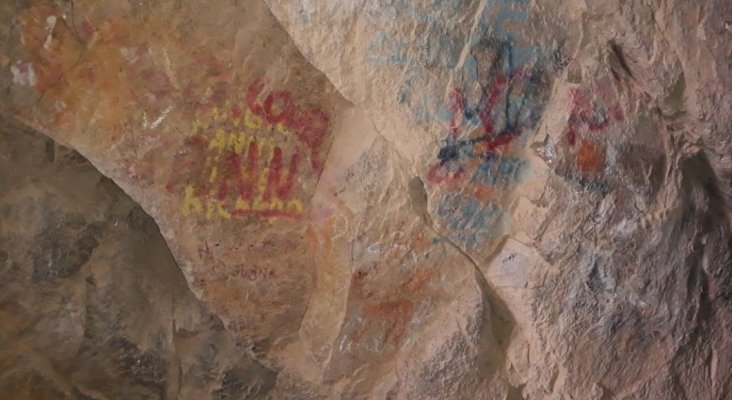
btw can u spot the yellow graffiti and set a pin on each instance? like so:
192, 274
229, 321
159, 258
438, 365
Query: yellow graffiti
237, 185
237, 142
215, 205
282, 129
295, 206
190, 201
252, 121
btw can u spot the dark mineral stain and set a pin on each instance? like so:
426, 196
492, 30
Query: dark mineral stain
144, 368
237, 384
137, 219
617, 51
63, 248
514, 393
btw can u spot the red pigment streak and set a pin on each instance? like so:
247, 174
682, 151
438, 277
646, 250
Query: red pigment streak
458, 99
266, 214
496, 89
310, 126
598, 126
198, 140
87, 30
618, 113
582, 111
493, 144
286, 108
251, 97
247, 192
434, 176
571, 136
231, 171
236, 111
579, 100
588, 158
283, 189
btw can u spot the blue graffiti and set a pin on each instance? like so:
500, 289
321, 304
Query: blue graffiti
500, 21
502, 114
499, 171
469, 221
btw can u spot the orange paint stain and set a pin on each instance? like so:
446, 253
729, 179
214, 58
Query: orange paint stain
390, 311
589, 159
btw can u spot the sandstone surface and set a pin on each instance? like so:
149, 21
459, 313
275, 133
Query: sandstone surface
377, 199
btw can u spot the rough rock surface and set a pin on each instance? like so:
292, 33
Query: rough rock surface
92, 303
387, 199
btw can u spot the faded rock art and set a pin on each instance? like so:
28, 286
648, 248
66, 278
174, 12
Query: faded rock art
439, 46
258, 154
482, 159
499, 87
594, 112
433, 255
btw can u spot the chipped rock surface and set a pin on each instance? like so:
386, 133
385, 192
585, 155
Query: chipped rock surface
92, 303
464, 199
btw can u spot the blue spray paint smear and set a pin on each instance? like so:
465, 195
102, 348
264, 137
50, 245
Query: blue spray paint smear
499, 171
469, 221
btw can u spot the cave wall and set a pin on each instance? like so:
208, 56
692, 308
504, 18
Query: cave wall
92, 302
479, 199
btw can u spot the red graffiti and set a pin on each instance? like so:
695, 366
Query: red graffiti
205, 253
590, 116
87, 30
246, 174
266, 214
282, 189
440, 173
231, 173
589, 158
309, 125
187, 164
236, 112
251, 273
454, 153
458, 103
241, 181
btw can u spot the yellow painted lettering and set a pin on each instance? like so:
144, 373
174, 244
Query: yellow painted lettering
216, 114
258, 203
216, 206
218, 143
262, 182
282, 129
197, 126
242, 205
295, 206
223, 212
237, 142
190, 201
252, 122
277, 204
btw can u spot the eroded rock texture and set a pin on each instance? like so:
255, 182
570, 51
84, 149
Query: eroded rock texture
465, 199
92, 303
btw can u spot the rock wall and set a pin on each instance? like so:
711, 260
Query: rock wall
92, 303
465, 199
